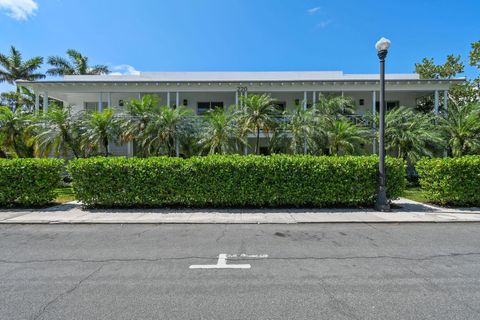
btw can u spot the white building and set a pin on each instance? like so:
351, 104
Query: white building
200, 91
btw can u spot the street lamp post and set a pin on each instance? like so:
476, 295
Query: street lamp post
382, 203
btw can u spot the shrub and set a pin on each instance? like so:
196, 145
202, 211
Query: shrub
453, 181
28, 182
232, 181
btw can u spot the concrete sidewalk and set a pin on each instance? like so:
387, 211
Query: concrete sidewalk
405, 211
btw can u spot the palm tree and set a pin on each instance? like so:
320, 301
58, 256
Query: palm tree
300, 125
461, 128
137, 116
334, 105
13, 130
343, 136
21, 98
76, 64
164, 130
257, 114
12, 67
220, 134
99, 129
411, 134
57, 131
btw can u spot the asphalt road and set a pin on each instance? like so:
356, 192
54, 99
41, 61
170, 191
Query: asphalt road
314, 271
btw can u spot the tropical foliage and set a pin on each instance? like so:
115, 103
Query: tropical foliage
75, 64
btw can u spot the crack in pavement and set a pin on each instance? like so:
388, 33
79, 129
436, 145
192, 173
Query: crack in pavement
425, 258
63, 294
222, 234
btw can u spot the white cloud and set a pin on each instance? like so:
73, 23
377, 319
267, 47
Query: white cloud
314, 10
124, 69
19, 9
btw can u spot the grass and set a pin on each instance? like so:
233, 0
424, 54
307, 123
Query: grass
64, 194
415, 194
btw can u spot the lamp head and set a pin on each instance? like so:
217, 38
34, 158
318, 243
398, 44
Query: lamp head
383, 44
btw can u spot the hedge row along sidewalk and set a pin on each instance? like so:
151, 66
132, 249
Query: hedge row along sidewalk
233, 181
451, 181
29, 182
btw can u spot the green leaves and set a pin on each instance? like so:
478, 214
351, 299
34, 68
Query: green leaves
29, 182
233, 181
453, 181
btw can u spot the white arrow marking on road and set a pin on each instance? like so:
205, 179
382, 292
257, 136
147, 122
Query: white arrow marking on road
222, 262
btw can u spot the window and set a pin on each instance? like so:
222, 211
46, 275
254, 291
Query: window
389, 104
361, 102
203, 107
280, 106
93, 106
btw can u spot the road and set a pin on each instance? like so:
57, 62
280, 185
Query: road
313, 271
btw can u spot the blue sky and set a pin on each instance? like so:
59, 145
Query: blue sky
241, 35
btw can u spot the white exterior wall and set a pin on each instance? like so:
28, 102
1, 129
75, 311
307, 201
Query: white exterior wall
75, 91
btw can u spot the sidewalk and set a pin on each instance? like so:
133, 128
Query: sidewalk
405, 211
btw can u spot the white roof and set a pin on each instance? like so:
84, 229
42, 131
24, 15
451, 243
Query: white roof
288, 76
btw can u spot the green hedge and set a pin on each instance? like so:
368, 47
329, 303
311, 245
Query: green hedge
29, 182
453, 181
232, 181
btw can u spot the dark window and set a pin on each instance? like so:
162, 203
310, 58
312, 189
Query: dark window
280, 106
203, 107
264, 150
389, 104
361, 102
93, 106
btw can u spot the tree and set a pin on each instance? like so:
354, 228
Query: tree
257, 115
56, 131
220, 134
343, 136
99, 129
22, 98
13, 68
460, 94
300, 125
427, 69
410, 134
13, 132
164, 130
462, 129
334, 106
137, 116
76, 64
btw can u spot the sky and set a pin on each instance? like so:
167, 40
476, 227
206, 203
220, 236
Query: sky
241, 35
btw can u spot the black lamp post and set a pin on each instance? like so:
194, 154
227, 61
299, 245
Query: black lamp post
382, 203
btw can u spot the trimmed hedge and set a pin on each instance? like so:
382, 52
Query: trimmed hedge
454, 181
232, 181
29, 182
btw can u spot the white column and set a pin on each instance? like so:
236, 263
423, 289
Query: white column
139, 96
342, 93
314, 100
109, 99
130, 149
168, 99
304, 100
45, 101
177, 99
374, 125
236, 98
435, 108
100, 102
37, 102
445, 101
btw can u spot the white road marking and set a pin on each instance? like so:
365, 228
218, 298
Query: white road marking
222, 262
